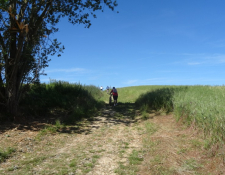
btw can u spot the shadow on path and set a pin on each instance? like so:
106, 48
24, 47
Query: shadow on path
123, 113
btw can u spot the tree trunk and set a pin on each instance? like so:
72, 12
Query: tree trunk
11, 70
12, 102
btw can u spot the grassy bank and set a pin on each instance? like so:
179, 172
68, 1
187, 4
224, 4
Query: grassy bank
75, 101
202, 106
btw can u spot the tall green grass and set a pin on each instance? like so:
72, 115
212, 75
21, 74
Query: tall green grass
202, 106
76, 100
131, 94
160, 98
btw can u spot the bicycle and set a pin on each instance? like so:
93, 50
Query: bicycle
110, 100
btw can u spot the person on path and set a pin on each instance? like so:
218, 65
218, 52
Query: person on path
115, 95
107, 89
101, 88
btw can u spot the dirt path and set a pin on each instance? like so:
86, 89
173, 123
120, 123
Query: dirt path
118, 141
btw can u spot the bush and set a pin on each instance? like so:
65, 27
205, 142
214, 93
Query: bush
76, 100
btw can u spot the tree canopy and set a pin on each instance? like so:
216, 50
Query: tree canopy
25, 42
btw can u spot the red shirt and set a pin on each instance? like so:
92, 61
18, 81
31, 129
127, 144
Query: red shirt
114, 93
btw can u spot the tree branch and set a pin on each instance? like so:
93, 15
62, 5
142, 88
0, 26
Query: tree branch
22, 10
2, 42
12, 16
41, 17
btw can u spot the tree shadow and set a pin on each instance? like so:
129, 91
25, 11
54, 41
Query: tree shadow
159, 98
123, 113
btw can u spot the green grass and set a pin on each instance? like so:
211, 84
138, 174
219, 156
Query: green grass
196, 143
159, 98
150, 128
76, 101
134, 158
6, 153
33, 162
130, 94
73, 163
202, 106
191, 165
50, 129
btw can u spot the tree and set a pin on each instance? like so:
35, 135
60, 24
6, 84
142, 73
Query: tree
25, 45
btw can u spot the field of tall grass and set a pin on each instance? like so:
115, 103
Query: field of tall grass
203, 106
200, 106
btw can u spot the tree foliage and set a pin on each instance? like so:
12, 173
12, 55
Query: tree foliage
25, 42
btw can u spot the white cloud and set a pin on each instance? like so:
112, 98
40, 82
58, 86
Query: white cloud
215, 58
81, 70
200, 59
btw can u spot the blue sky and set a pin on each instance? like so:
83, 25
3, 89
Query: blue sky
149, 42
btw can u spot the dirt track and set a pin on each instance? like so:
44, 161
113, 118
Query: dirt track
118, 141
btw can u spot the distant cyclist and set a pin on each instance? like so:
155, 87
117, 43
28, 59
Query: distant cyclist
115, 95
107, 89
